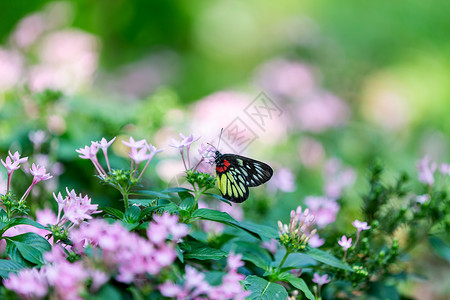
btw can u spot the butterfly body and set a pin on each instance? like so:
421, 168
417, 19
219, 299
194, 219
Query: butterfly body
235, 174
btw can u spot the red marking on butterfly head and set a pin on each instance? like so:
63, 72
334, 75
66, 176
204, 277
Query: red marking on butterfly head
226, 163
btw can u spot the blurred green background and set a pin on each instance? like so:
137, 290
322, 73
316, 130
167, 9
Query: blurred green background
355, 81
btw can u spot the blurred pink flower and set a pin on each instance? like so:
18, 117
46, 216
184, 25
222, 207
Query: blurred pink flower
315, 241
28, 283
11, 65
320, 280
426, 169
421, 199
271, 245
345, 242
337, 178
68, 279
283, 179
289, 79
311, 152
325, 209
445, 168
320, 112
29, 30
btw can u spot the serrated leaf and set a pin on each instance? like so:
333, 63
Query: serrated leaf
113, 212
132, 214
298, 283
326, 258
8, 266
261, 289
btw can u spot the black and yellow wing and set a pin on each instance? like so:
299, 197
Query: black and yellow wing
235, 174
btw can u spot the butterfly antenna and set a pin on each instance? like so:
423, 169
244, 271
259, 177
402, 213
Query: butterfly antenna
220, 137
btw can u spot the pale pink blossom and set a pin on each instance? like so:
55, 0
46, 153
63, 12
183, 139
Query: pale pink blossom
11, 68
360, 226
28, 283
322, 112
421, 199
445, 168
325, 209
345, 242
426, 169
283, 179
320, 280
337, 177
315, 241
134, 144
311, 152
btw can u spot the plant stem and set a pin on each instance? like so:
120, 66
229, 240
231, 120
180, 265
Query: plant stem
284, 259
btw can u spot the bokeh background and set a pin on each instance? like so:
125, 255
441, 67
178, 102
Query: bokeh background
355, 81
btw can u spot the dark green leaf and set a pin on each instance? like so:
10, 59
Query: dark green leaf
153, 194
294, 260
326, 258
223, 217
219, 198
7, 266
187, 203
204, 253
32, 239
132, 214
148, 210
15, 256
176, 190
179, 253
262, 289
440, 247
113, 212
265, 232
30, 253
298, 283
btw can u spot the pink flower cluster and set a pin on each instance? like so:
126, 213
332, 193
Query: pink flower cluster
185, 142
67, 280
325, 209
195, 286
139, 151
12, 163
76, 208
128, 253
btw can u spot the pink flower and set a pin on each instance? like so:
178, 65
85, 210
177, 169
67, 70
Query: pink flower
10, 165
140, 155
39, 173
184, 142
11, 67
360, 225
234, 261
337, 178
16, 157
37, 137
325, 209
426, 170
28, 283
90, 152
169, 289
445, 168
345, 243
76, 207
421, 199
315, 241
134, 144
283, 180
320, 280
104, 144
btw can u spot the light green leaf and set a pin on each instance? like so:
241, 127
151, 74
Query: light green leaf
132, 214
298, 283
326, 258
204, 253
261, 289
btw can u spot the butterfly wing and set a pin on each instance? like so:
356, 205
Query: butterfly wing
238, 173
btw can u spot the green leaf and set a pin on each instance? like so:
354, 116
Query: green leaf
15, 256
298, 283
113, 212
219, 198
30, 253
8, 266
326, 258
176, 190
148, 210
132, 214
31, 247
440, 247
187, 203
265, 232
260, 288
152, 194
200, 251
294, 260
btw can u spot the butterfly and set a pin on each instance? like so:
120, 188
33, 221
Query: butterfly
235, 174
